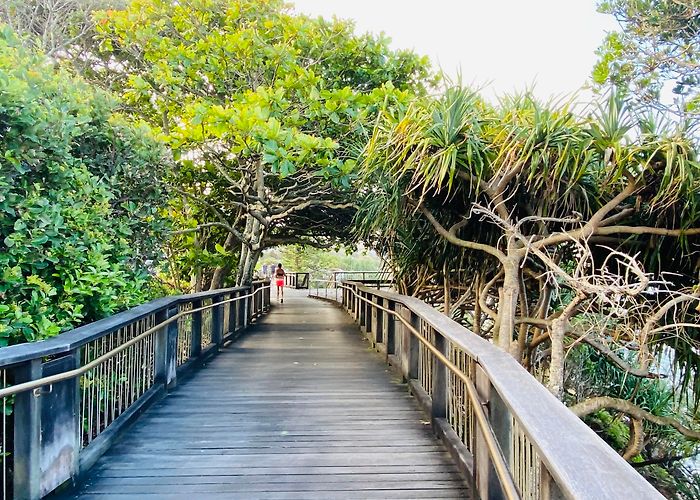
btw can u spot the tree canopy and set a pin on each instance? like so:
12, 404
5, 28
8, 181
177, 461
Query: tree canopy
264, 109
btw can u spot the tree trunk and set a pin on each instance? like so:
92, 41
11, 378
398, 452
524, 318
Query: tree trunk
476, 325
249, 266
254, 235
245, 248
249, 258
556, 364
508, 304
447, 292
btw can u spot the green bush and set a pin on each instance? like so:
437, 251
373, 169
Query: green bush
79, 200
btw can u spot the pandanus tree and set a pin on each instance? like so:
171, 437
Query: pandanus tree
263, 109
547, 229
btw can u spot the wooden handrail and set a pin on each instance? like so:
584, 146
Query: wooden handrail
72, 339
34, 384
96, 379
572, 461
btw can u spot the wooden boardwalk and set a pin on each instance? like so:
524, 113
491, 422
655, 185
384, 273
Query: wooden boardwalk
299, 407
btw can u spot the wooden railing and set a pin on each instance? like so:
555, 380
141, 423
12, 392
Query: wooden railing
330, 286
66, 399
504, 429
300, 281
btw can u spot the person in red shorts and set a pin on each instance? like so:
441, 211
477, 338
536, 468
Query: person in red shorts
279, 277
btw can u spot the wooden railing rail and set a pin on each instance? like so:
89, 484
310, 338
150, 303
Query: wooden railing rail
297, 280
66, 399
325, 288
504, 429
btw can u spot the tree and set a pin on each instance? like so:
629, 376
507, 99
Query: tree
265, 109
555, 230
78, 201
659, 43
53, 26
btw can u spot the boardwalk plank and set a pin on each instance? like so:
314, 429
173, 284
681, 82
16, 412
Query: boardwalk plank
300, 407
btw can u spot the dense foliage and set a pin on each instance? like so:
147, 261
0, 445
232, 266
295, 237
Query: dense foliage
266, 109
549, 232
77, 200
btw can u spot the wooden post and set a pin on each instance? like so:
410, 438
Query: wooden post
378, 321
171, 352
231, 314
27, 439
239, 311
549, 490
368, 316
439, 389
356, 304
254, 303
217, 323
362, 312
259, 298
409, 356
414, 344
196, 349
486, 480
60, 423
161, 349
246, 309
390, 328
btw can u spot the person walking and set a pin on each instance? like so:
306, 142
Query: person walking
279, 277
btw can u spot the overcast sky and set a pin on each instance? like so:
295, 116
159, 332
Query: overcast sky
509, 44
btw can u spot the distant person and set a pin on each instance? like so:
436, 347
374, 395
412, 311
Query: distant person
279, 277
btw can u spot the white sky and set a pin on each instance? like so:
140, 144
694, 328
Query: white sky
509, 44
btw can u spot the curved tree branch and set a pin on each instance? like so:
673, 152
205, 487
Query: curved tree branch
455, 240
594, 404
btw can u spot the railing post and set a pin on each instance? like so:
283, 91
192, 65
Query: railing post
355, 303
362, 311
217, 323
409, 355
390, 327
196, 348
240, 311
27, 439
549, 490
368, 315
60, 423
378, 321
166, 349
253, 302
487, 483
246, 308
439, 389
231, 314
